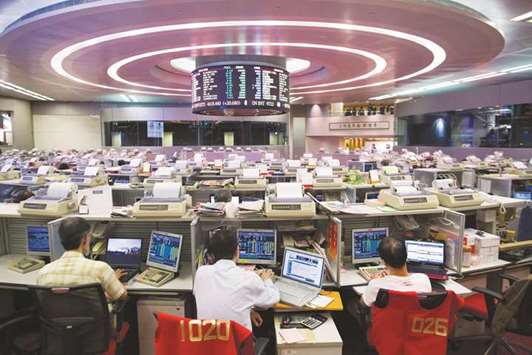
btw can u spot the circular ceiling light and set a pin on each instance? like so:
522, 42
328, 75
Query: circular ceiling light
438, 53
379, 62
188, 64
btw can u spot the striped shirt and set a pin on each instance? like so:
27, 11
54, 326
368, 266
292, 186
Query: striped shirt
73, 269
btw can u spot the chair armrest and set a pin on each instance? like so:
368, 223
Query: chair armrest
489, 293
15, 320
510, 278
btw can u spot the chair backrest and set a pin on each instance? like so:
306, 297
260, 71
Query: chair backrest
410, 323
74, 320
524, 230
516, 308
180, 335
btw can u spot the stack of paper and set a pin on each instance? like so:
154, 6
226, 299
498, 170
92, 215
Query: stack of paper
211, 209
247, 208
216, 183
291, 335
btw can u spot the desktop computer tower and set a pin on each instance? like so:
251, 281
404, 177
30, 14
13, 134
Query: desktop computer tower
147, 322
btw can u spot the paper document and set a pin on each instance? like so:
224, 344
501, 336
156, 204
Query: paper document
59, 190
293, 163
289, 190
164, 171
160, 157
334, 163
251, 173
43, 170
291, 335
91, 171
321, 301
6, 168
166, 190
232, 164
134, 163
323, 171
181, 164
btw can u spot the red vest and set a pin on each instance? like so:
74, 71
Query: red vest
403, 326
178, 335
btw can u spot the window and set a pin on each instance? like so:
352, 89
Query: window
190, 133
6, 128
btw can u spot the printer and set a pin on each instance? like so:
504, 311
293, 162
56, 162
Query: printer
449, 195
390, 174
39, 178
8, 172
291, 167
231, 168
166, 199
519, 168
250, 179
287, 200
162, 174
60, 198
131, 169
324, 177
182, 167
276, 165
92, 176
402, 195
337, 169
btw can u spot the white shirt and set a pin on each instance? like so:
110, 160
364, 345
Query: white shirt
412, 283
224, 291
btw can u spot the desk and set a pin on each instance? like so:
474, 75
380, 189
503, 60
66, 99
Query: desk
13, 280
323, 340
335, 306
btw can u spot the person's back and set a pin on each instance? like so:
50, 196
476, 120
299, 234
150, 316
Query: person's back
223, 291
74, 269
393, 252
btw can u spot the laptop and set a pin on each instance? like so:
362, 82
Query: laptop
125, 254
426, 258
301, 277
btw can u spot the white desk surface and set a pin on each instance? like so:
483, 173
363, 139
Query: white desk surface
505, 177
9, 278
366, 186
370, 211
484, 206
484, 267
325, 335
504, 201
450, 285
9, 210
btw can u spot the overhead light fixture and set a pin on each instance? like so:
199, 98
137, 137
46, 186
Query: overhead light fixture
294, 99
438, 53
23, 91
188, 64
524, 17
128, 98
445, 84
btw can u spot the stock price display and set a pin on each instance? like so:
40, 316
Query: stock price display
240, 90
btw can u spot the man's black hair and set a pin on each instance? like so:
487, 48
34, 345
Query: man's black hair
71, 232
393, 252
223, 244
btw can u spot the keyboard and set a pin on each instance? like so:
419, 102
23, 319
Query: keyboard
433, 272
294, 295
370, 272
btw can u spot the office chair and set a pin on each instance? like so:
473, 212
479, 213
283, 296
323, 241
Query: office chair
76, 321
180, 335
413, 324
508, 312
19, 334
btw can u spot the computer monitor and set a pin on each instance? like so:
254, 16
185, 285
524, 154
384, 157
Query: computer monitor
425, 252
368, 166
37, 242
123, 252
164, 251
257, 246
304, 267
365, 244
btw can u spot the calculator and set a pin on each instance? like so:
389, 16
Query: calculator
313, 321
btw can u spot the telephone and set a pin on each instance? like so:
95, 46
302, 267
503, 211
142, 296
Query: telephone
26, 264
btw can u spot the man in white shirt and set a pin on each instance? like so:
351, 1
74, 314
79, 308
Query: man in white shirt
226, 292
396, 278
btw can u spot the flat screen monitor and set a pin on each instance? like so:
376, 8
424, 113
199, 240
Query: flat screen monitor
123, 252
164, 251
38, 242
425, 252
304, 267
257, 246
365, 243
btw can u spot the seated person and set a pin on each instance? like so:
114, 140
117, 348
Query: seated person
393, 252
226, 292
73, 269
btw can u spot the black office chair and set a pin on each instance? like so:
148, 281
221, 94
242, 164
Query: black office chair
19, 333
508, 312
74, 321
